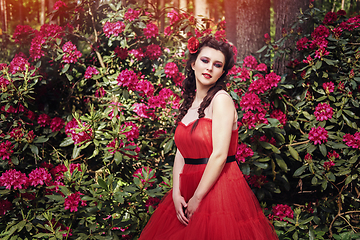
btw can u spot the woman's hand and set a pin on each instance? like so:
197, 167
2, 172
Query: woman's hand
180, 204
193, 204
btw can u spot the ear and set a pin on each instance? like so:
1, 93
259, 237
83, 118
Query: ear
192, 65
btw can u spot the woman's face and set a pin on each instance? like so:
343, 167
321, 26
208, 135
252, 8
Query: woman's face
208, 67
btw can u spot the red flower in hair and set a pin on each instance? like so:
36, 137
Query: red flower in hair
193, 45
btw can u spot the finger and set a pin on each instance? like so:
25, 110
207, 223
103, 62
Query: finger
183, 221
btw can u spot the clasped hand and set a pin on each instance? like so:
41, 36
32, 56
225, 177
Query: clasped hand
184, 211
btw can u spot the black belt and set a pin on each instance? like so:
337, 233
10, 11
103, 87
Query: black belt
195, 161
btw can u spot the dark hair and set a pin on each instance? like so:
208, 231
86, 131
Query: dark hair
189, 84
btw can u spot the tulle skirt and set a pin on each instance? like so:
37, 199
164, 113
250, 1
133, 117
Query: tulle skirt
230, 211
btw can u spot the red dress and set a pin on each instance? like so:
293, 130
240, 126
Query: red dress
229, 211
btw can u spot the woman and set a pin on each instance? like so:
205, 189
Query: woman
210, 198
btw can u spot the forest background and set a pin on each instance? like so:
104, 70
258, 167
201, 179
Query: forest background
89, 91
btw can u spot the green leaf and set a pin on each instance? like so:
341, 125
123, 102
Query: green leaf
34, 149
40, 139
65, 68
76, 152
67, 142
168, 146
323, 150
118, 197
103, 184
318, 64
261, 165
262, 49
307, 220
348, 180
55, 197
280, 161
300, 170
294, 153
118, 158
245, 168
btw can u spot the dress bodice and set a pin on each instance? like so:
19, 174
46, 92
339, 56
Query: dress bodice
198, 144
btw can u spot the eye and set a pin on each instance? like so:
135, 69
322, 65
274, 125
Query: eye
204, 60
218, 65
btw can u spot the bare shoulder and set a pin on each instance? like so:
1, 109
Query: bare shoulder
223, 99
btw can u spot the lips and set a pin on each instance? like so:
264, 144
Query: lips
206, 75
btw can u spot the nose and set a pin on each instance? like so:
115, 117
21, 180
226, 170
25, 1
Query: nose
209, 67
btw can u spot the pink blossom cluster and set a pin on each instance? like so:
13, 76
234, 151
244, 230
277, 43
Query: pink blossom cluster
44, 120
71, 54
113, 106
263, 138
61, 227
78, 134
250, 62
153, 51
6, 150
280, 211
39, 176
220, 35
131, 14
242, 73
171, 70
320, 32
351, 23
321, 52
323, 112
90, 71
308, 157
121, 53
328, 87
301, 44
255, 180
113, 29
330, 18
17, 133
59, 4
318, 135
352, 140
13, 179
151, 30
251, 119
22, 32
152, 201
327, 165
100, 92
137, 53
250, 101
333, 155
47, 34
279, 115
72, 202
242, 152
263, 84
145, 88
18, 64
165, 96
133, 133
139, 174
143, 110
127, 78
57, 124
5, 206
117, 145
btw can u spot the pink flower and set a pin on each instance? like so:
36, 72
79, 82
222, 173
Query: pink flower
39, 176
5, 206
171, 70
113, 29
3, 83
323, 112
71, 54
250, 62
330, 18
30, 136
174, 16
321, 52
151, 30
320, 32
153, 51
159, 133
318, 135
44, 120
328, 165
72, 202
281, 211
255, 180
279, 115
115, 145
121, 53
128, 78
308, 157
263, 138
142, 110
17, 133
261, 67
137, 53
250, 101
193, 45
220, 35
267, 38
131, 134
58, 171
90, 71
100, 92
333, 155
22, 33
56, 124
152, 201
139, 174
243, 151
77, 133
145, 88
250, 119
131, 14
59, 4
74, 166
328, 87
301, 44
114, 106
6, 150
352, 140
18, 64
12, 178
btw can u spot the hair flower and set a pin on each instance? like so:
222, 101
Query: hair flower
193, 45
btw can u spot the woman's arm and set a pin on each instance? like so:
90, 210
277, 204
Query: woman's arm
179, 201
222, 123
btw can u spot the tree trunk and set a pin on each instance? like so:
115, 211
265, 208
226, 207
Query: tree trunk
342, 4
230, 18
21, 12
50, 9
3, 16
286, 12
201, 7
253, 21
183, 5
42, 12
176, 3
215, 10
